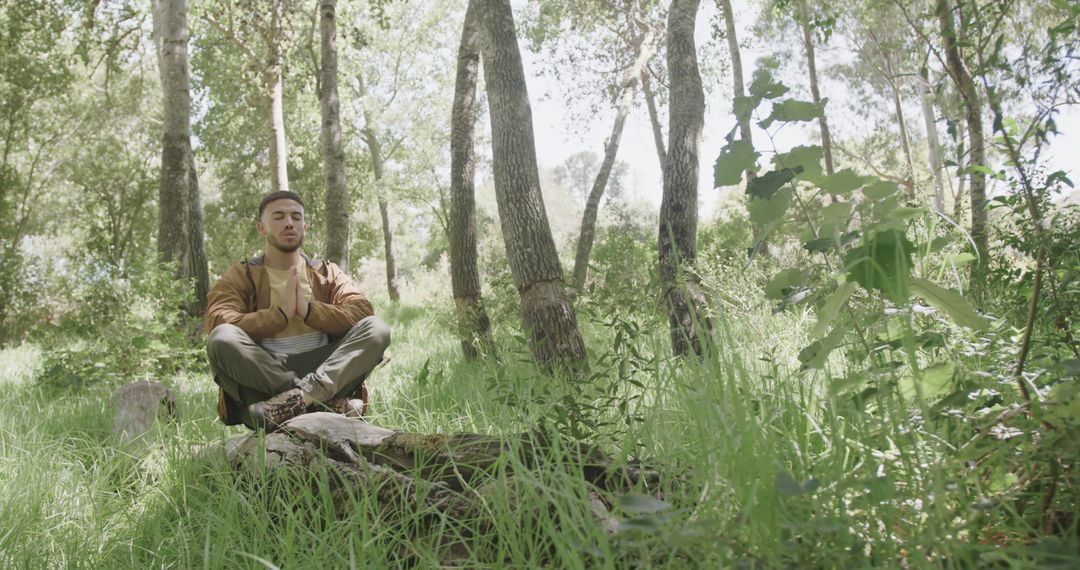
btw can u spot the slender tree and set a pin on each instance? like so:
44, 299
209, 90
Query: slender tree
370, 134
738, 85
259, 30
646, 48
654, 118
933, 147
969, 96
688, 320
549, 319
180, 237
815, 92
333, 154
474, 326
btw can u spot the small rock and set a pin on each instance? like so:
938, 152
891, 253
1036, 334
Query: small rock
138, 405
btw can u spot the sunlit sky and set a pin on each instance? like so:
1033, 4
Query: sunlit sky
555, 141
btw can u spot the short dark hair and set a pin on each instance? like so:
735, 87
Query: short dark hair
279, 195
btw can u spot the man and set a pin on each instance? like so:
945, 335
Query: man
288, 334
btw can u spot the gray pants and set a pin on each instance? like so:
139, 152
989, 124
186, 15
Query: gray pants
250, 374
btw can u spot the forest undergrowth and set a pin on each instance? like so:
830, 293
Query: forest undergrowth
761, 466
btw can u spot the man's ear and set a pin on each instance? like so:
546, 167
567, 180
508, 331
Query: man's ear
260, 228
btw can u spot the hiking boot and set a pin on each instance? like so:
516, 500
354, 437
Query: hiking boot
348, 407
270, 414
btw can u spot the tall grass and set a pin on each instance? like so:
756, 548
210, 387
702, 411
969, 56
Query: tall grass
761, 466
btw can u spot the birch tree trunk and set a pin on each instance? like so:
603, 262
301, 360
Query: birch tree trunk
337, 193
647, 46
973, 115
180, 237
688, 319
371, 138
932, 144
474, 326
549, 320
279, 174
811, 65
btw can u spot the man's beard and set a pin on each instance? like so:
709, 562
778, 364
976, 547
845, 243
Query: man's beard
285, 248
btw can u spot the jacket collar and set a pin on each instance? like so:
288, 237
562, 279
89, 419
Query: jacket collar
258, 260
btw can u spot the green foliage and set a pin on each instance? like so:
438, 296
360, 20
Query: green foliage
882, 262
121, 325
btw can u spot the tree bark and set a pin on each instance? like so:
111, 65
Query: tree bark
654, 118
932, 144
279, 174
811, 65
337, 193
180, 236
973, 115
738, 84
370, 133
196, 241
474, 326
905, 144
647, 46
688, 320
549, 319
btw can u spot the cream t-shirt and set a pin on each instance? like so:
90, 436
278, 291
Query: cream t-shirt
297, 336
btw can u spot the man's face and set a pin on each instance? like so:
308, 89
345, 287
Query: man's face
283, 225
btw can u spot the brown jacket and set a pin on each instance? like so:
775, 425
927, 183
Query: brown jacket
241, 297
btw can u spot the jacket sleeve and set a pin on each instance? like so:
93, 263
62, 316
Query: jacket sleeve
345, 305
225, 305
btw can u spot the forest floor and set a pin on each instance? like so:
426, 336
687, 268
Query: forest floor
759, 466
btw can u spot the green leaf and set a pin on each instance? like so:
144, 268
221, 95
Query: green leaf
933, 381
841, 183
949, 301
642, 504
767, 184
939, 243
880, 190
792, 110
763, 86
834, 303
905, 213
734, 159
807, 157
743, 106
815, 355
764, 212
883, 263
958, 260
783, 283
834, 218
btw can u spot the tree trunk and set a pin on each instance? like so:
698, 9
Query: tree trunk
200, 265
811, 65
388, 245
370, 133
646, 49
549, 319
279, 174
180, 236
933, 146
337, 193
905, 144
973, 114
688, 320
474, 326
737, 74
654, 118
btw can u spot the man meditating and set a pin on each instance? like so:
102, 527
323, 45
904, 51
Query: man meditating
289, 334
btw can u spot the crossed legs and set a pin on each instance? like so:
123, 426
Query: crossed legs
249, 374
